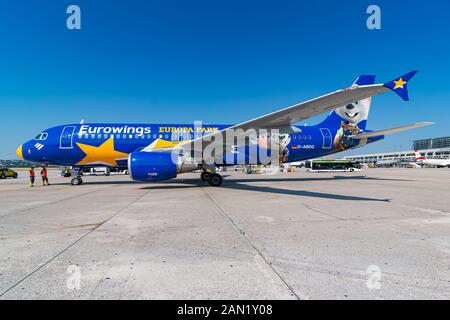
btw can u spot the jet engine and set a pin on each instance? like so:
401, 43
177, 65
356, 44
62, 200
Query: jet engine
157, 166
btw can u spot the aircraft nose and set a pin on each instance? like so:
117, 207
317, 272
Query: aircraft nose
19, 152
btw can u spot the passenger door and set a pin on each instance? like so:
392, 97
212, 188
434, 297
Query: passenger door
66, 138
327, 138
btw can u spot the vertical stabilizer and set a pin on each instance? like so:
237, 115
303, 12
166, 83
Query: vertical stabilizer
355, 113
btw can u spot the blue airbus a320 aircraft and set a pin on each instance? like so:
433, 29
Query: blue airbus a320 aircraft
154, 152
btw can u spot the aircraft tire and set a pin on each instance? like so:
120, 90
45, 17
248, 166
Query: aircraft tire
76, 181
15, 176
215, 180
205, 176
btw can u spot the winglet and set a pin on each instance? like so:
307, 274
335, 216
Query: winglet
400, 85
364, 80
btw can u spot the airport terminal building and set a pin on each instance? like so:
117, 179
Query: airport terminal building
430, 144
437, 148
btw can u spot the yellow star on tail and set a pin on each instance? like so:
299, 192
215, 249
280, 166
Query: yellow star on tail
104, 153
400, 83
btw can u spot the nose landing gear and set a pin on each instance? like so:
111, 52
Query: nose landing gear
76, 181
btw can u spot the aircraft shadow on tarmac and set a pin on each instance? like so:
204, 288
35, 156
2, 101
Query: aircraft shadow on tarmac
246, 184
241, 184
87, 182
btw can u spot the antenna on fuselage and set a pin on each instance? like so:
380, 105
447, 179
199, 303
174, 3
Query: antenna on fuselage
82, 121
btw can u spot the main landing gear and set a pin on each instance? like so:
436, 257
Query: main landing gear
205, 176
214, 179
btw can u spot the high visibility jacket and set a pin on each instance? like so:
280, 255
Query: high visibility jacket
31, 173
44, 173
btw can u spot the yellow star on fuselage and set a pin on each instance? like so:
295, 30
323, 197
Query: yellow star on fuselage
160, 144
400, 83
104, 153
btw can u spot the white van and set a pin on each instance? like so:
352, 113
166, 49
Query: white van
100, 171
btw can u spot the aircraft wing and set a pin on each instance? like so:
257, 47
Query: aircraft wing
304, 110
388, 131
284, 119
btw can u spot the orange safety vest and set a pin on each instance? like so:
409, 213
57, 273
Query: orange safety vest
31, 173
44, 173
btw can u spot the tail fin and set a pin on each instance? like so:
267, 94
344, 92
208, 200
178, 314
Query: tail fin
355, 113
400, 85
419, 156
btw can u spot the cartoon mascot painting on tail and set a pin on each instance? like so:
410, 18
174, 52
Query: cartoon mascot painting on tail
354, 118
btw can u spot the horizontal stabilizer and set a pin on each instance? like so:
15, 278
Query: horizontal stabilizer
388, 131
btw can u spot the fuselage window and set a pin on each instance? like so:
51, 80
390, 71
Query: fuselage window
99, 136
131, 136
309, 137
118, 136
124, 136
105, 136
149, 136
92, 136
86, 136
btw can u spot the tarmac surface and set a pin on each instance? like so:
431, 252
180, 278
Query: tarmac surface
376, 234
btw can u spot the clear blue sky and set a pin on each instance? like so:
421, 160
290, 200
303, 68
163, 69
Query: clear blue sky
216, 61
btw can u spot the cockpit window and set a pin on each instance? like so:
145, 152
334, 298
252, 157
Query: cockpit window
41, 136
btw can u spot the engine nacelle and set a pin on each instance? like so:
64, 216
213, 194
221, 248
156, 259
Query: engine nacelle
151, 166
157, 166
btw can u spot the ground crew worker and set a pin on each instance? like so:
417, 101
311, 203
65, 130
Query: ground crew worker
31, 174
44, 176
